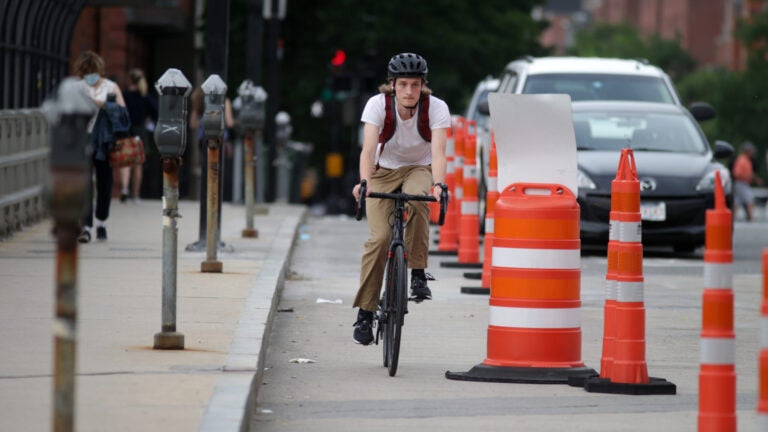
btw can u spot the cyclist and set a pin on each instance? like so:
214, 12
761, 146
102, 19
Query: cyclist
398, 153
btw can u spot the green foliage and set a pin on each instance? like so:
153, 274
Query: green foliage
624, 41
462, 41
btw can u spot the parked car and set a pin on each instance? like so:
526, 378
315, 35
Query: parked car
675, 166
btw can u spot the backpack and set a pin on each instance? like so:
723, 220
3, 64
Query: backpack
390, 119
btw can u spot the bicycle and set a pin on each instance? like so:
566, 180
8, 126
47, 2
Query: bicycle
390, 317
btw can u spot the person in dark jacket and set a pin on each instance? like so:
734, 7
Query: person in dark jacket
142, 109
90, 67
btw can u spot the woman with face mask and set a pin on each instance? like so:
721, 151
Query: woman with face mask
90, 67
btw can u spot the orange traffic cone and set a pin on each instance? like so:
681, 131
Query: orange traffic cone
625, 370
762, 401
492, 194
469, 222
449, 232
534, 330
717, 373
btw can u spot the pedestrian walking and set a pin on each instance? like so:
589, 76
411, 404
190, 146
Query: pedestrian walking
111, 118
743, 173
142, 109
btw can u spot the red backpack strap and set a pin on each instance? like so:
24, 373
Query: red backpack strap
390, 120
423, 122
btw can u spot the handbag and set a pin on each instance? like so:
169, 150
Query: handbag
127, 151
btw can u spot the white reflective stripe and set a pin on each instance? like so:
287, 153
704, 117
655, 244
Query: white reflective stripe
489, 225
469, 207
470, 171
493, 184
764, 332
450, 166
762, 421
459, 192
610, 289
459, 161
450, 145
613, 230
534, 317
629, 231
717, 351
629, 291
569, 259
718, 275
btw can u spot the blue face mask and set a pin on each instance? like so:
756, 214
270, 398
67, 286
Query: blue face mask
91, 79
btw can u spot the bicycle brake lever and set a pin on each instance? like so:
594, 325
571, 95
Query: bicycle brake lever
361, 200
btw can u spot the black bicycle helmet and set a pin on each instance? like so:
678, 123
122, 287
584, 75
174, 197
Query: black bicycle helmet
407, 65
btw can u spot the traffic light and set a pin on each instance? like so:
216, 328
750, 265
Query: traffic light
338, 59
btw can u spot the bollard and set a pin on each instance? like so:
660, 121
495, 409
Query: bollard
252, 120
215, 91
171, 140
70, 157
626, 371
449, 233
717, 371
283, 164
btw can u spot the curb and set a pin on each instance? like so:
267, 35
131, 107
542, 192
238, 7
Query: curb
232, 403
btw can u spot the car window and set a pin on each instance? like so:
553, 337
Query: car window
480, 118
640, 131
601, 87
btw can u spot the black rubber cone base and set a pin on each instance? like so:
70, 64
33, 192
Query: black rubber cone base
523, 375
443, 253
655, 386
476, 290
461, 265
473, 275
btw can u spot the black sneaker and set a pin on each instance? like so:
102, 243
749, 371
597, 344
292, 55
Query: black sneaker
363, 333
101, 233
84, 237
419, 290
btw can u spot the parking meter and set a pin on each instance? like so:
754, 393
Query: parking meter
171, 129
282, 135
253, 111
215, 91
68, 114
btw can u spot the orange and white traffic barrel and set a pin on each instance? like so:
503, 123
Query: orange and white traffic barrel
624, 369
469, 221
762, 400
448, 244
534, 329
717, 372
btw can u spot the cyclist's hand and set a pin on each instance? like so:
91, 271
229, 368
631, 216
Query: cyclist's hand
356, 190
437, 191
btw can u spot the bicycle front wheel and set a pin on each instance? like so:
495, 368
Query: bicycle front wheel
395, 299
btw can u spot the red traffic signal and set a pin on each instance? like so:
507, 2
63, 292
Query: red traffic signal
339, 58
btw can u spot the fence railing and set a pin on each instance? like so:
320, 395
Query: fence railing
24, 168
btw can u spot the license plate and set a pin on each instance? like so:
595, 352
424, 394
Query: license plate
653, 211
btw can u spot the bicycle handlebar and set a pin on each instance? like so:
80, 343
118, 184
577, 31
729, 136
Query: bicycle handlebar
400, 196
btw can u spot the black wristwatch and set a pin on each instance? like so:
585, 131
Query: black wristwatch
443, 186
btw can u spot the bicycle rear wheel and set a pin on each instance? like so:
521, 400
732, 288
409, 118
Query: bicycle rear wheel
395, 299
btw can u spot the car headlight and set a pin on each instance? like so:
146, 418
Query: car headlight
584, 182
707, 183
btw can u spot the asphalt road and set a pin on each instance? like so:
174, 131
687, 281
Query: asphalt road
317, 379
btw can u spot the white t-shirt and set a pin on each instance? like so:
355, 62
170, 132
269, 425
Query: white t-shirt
99, 93
406, 147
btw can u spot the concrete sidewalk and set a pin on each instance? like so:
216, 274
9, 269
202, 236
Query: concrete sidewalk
122, 384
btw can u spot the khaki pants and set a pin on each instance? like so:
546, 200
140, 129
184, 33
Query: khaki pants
414, 180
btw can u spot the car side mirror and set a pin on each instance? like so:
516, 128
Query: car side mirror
482, 107
723, 149
702, 111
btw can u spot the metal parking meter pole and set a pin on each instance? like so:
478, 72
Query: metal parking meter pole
171, 140
282, 162
252, 116
215, 91
68, 114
